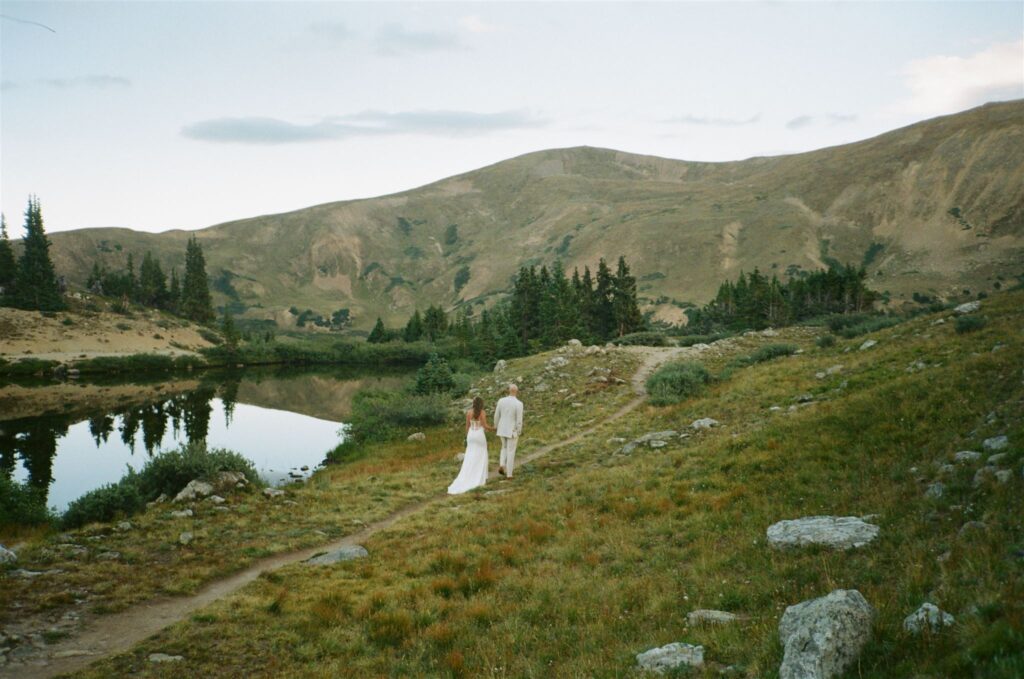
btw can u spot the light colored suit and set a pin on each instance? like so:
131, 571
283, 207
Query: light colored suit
508, 422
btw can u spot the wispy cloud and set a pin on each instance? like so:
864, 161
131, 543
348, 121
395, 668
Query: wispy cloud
803, 121
799, 122
257, 130
945, 84
474, 24
95, 81
841, 118
394, 39
688, 119
330, 32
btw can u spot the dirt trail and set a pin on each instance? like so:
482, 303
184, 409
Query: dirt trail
110, 634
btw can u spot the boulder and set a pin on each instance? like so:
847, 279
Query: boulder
195, 490
836, 532
703, 616
216, 499
704, 423
228, 480
670, 657
500, 366
185, 538
998, 458
656, 444
163, 657
418, 436
983, 475
967, 308
935, 490
183, 514
868, 344
928, 616
1003, 475
574, 345
557, 362
822, 637
339, 555
658, 436
273, 492
966, 456
7, 556
996, 443
123, 526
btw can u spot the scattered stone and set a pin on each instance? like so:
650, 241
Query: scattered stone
460, 457
108, 556
972, 527
775, 409
599, 379
216, 499
823, 637
704, 423
703, 616
500, 366
947, 469
123, 526
71, 653
273, 492
928, 616
805, 398
944, 557
966, 456
577, 405
967, 308
574, 344
670, 657
7, 556
557, 362
939, 321
163, 657
594, 349
982, 475
195, 490
338, 555
998, 458
836, 532
868, 344
418, 436
996, 443
183, 514
657, 444
1004, 475
616, 440
185, 538
935, 490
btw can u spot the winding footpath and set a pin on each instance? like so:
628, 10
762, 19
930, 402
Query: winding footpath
107, 635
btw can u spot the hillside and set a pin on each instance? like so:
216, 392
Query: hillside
936, 207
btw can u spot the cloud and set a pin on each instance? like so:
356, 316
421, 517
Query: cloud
474, 24
331, 32
100, 82
257, 130
944, 84
688, 119
841, 118
799, 122
394, 39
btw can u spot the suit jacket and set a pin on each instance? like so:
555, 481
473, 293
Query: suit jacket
508, 417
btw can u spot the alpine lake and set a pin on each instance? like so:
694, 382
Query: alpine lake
69, 437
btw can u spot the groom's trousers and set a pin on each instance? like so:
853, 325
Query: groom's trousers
508, 453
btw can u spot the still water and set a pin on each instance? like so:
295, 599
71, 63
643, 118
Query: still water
284, 420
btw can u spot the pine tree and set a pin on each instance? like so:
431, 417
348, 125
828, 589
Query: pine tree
414, 328
174, 293
435, 323
36, 285
624, 303
132, 281
230, 332
604, 311
8, 265
379, 333
152, 282
195, 290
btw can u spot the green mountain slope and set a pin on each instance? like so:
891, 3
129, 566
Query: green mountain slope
935, 208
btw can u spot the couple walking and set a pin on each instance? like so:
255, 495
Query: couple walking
508, 424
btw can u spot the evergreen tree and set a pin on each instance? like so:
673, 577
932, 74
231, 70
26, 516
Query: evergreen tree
131, 280
379, 333
604, 303
195, 289
36, 285
435, 376
230, 332
624, 302
414, 328
152, 282
8, 265
435, 323
174, 293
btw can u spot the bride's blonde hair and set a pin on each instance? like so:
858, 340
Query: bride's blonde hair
478, 407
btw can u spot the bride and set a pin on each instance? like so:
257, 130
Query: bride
474, 465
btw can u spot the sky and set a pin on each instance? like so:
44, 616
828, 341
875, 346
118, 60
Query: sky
162, 115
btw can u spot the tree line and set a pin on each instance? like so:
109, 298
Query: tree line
755, 301
544, 309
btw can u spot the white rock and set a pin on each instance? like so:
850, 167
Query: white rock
868, 344
930, 616
574, 344
837, 532
966, 456
343, 554
7, 556
273, 492
163, 657
185, 538
967, 308
704, 423
823, 637
557, 362
216, 499
1004, 475
183, 514
418, 436
671, 656
500, 366
998, 458
195, 490
935, 490
459, 457
703, 616
124, 525
996, 443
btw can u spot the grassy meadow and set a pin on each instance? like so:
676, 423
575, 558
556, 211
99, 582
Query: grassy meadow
591, 556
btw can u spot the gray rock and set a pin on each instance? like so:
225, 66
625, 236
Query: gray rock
338, 555
163, 657
996, 459
658, 436
703, 616
195, 490
72, 653
947, 469
823, 637
183, 514
216, 499
557, 362
7, 556
628, 448
966, 456
927, 616
996, 443
972, 527
967, 308
124, 525
228, 480
1004, 475
185, 538
868, 344
805, 398
704, 423
108, 556
935, 490
574, 344
656, 444
671, 656
836, 532
418, 436
983, 475
273, 492
500, 366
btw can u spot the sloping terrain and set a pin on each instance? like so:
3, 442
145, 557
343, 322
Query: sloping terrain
935, 208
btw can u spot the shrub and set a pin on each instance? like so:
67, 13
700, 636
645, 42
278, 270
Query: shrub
965, 324
675, 382
646, 339
435, 376
137, 363
21, 504
462, 383
26, 367
209, 335
873, 324
767, 353
690, 340
106, 503
838, 322
379, 415
826, 341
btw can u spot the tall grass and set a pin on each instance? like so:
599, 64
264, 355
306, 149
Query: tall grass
676, 381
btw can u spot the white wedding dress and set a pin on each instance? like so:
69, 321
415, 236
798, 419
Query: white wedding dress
474, 466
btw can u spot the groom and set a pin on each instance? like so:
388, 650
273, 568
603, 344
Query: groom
508, 421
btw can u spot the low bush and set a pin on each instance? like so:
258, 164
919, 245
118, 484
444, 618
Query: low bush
644, 339
210, 336
965, 324
167, 473
26, 367
21, 504
690, 340
137, 363
826, 341
838, 322
767, 353
873, 324
434, 377
676, 381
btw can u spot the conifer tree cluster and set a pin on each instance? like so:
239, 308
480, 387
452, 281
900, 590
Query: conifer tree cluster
29, 282
755, 301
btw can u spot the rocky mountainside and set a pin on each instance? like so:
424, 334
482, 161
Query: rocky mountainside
936, 208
